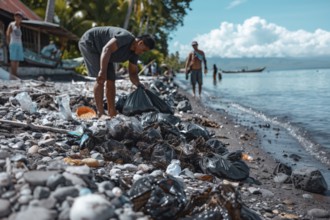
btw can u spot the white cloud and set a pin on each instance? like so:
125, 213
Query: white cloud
258, 38
235, 3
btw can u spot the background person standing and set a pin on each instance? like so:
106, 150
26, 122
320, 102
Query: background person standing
14, 40
194, 65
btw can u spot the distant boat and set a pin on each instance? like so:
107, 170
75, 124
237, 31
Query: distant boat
257, 70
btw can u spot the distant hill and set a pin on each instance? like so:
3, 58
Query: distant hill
269, 63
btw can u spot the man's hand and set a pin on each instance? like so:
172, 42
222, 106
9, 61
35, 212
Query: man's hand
205, 70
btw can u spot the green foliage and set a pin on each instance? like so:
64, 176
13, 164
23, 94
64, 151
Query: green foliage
157, 17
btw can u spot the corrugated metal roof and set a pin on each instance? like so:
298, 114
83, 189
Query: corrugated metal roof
15, 5
50, 28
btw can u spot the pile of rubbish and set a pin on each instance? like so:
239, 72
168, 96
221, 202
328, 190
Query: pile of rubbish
145, 163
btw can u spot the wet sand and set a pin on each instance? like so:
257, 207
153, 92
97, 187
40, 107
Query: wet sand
238, 137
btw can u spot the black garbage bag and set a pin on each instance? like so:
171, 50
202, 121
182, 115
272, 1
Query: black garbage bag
138, 102
159, 103
150, 118
161, 198
223, 167
162, 155
248, 214
120, 103
192, 131
217, 146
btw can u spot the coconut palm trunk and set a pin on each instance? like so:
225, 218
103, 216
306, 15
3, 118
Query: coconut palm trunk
50, 11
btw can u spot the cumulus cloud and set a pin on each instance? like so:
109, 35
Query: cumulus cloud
258, 38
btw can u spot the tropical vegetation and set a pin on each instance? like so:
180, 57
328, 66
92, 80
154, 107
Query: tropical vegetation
156, 17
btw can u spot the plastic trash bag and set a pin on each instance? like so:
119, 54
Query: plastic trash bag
217, 146
162, 155
223, 167
138, 102
159, 103
123, 127
192, 131
161, 198
156, 117
26, 103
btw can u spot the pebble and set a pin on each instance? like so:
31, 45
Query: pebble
4, 208
318, 213
91, 207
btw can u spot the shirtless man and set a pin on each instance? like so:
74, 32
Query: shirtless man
194, 66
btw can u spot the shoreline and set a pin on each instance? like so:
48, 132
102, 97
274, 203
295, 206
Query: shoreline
239, 137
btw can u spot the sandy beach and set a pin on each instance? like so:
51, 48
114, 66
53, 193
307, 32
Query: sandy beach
294, 203
39, 160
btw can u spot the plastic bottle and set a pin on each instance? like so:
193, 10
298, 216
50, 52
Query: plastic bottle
26, 103
247, 157
63, 102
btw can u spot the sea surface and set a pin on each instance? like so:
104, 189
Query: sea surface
289, 109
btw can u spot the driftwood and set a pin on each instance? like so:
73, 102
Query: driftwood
33, 126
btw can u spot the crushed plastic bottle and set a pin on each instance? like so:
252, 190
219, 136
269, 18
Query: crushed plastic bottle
247, 157
26, 103
63, 102
174, 168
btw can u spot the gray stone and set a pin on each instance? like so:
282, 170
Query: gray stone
91, 207
318, 213
80, 170
4, 208
37, 177
47, 142
33, 149
41, 192
281, 178
32, 213
5, 179
54, 180
4, 154
61, 193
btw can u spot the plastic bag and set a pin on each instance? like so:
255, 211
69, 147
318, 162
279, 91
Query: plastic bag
26, 102
223, 167
137, 102
160, 104
63, 102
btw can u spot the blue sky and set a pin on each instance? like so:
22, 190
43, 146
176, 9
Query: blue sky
256, 28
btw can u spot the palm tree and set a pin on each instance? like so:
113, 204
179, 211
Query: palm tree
50, 11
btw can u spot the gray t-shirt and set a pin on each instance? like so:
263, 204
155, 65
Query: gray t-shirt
98, 37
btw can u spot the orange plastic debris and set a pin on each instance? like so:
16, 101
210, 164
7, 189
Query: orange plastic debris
85, 112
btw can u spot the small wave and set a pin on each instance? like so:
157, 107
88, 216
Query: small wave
297, 133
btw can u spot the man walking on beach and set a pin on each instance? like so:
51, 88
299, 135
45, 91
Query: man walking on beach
194, 66
101, 47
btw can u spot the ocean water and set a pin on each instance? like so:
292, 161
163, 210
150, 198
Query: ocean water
290, 109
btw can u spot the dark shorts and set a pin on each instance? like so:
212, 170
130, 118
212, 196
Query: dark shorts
196, 76
92, 60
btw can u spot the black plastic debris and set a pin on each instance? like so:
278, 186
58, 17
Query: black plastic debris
161, 198
160, 104
138, 102
162, 155
192, 131
223, 167
217, 146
